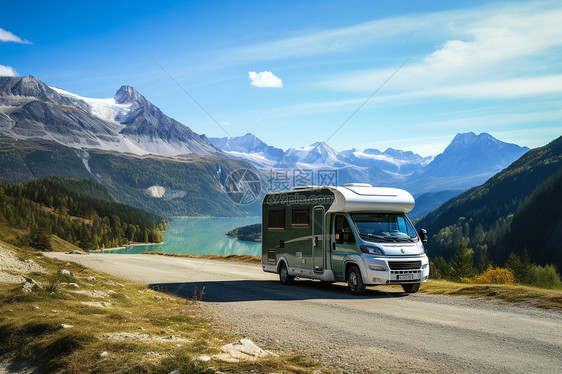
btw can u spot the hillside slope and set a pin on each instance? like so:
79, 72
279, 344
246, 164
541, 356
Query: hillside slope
190, 185
487, 216
90, 220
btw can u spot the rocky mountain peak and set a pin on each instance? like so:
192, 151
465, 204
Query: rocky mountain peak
127, 94
464, 139
27, 86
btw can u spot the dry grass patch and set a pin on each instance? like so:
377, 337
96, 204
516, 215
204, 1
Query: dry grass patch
108, 324
511, 293
246, 259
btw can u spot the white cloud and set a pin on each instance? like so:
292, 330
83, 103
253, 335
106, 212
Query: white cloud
499, 47
7, 71
6, 36
534, 17
502, 89
264, 79
332, 40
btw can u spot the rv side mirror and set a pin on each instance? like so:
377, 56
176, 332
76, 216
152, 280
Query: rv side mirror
339, 236
423, 236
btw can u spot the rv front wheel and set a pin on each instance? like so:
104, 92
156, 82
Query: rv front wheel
284, 276
411, 288
355, 282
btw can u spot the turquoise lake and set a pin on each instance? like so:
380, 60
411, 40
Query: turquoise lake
202, 236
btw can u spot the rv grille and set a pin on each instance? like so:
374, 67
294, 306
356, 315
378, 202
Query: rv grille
399, 265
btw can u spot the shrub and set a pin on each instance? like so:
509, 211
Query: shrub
493, 275
439, 268
545, 277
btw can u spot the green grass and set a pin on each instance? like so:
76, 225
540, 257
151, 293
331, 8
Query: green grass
511, 293
30, 327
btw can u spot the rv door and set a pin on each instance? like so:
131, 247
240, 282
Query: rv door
318, 239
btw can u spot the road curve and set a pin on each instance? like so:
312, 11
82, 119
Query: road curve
384, 330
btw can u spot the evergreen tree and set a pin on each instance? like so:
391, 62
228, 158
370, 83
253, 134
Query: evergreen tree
40, 239
463, 263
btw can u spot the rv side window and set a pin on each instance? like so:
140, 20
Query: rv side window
343, 224
301, 217
276, 220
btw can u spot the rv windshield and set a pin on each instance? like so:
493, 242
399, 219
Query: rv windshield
385, 227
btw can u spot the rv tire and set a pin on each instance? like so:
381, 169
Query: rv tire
355, 281
411, 288
284, 276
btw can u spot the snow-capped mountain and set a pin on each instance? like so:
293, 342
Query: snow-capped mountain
29, 109
471, 154
251, 148
316, 155
468, 161
392, 160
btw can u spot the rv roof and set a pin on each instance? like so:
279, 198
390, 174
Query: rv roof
362, 198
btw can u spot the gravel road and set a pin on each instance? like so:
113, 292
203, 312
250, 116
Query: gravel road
384, 330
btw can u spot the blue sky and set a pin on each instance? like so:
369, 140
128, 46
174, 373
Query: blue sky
292, 72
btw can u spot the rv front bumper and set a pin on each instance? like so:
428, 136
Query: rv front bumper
395, 270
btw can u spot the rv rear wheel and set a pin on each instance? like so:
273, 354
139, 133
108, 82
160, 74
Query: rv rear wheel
411, 288
355, 282
284, 276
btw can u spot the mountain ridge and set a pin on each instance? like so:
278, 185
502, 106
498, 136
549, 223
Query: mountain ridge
458, 167
128, 122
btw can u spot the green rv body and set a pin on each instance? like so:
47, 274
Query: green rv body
353, 233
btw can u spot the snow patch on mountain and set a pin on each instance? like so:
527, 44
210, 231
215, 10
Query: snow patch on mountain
258, 158
105, 109
387, 158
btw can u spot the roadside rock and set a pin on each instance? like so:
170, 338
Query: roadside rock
65, 272
91, 279
30, 286
242, 350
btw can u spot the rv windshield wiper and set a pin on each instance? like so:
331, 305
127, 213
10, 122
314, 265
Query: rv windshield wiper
385, 238
411, 240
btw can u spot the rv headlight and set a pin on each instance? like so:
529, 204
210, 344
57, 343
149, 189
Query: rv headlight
372, 250
422, 250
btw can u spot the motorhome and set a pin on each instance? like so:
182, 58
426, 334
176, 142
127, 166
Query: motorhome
353, 233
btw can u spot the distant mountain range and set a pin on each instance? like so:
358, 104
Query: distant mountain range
519, 208
100, 138
469, 160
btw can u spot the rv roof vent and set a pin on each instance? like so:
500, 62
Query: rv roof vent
356, 185
297, 188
